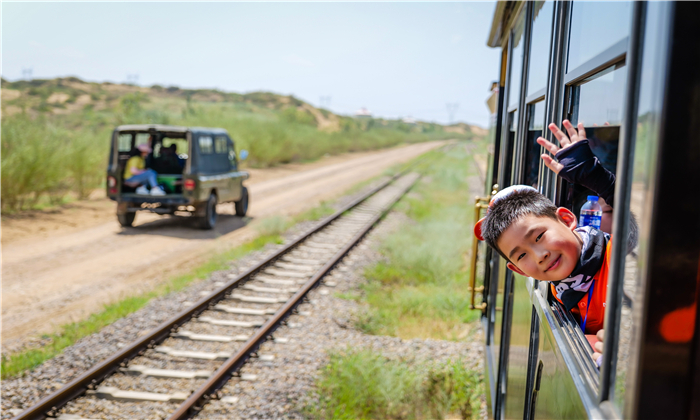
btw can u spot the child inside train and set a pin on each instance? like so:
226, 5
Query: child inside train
544, 242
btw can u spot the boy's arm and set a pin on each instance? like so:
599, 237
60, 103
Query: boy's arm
577, 163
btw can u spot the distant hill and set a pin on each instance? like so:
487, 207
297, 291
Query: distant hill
70, 95
56, 133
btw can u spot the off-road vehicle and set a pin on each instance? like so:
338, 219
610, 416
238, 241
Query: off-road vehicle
197, 168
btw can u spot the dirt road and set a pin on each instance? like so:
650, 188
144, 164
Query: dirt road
67, 264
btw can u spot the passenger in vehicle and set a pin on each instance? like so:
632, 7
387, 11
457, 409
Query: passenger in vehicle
136, 174
542, 241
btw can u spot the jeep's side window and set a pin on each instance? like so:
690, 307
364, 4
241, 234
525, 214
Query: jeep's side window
221, 144
206, 145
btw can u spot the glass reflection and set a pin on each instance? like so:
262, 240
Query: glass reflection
539, 48
647, 137
516, 64
596, 26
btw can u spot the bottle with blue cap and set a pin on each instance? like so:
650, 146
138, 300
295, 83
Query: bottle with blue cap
591, 213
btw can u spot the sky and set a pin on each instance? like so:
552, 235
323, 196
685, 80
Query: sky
395, 59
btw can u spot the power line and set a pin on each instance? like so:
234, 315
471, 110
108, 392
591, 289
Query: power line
325, 102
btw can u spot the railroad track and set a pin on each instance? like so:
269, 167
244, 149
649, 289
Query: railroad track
175, 369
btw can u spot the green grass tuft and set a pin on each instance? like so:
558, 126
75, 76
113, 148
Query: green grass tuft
364, 385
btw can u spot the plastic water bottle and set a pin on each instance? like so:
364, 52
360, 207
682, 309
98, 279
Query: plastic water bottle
591, 213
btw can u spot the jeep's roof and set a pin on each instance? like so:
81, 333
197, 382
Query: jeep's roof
170, 128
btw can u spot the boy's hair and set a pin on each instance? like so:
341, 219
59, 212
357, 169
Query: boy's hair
509, 209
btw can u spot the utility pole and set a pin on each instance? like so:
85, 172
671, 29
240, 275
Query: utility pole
27, 73
325, 102
132, 79
452, 110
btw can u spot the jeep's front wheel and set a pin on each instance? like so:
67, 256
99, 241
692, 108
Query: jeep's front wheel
242, 204
126, 219
208, 220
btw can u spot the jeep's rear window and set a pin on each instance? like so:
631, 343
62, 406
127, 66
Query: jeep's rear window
206, 145
221, 144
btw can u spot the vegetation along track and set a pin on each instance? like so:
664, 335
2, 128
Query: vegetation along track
147, 378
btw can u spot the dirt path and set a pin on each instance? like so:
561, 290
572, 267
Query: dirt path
60, 266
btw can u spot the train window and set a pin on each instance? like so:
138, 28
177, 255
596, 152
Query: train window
611, 21
535, 124
538, 66
124, 142
597, 103
648, 116
516, 62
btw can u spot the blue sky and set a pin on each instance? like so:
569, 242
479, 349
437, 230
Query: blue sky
396, 59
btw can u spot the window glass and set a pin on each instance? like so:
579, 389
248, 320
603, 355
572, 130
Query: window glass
221, 144
532, 149
516, 62
599, 108
596, 26
206, 145
124, 142
540, 46
598, 105
143, 138
648, 117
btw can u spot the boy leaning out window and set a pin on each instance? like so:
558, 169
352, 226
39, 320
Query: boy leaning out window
544, 242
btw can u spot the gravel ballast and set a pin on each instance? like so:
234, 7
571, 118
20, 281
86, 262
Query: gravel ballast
282, 385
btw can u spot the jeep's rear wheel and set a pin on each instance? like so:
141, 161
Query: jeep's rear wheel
208, 220
242, 204
126, 219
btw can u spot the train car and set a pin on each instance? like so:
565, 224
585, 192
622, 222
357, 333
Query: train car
630, 71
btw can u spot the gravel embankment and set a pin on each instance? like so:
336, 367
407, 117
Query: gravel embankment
283, 385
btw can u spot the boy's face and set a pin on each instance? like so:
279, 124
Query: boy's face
541, 247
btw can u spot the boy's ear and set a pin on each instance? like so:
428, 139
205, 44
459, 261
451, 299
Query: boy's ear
567, 217
512, 266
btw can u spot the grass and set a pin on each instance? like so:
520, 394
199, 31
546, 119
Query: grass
365, 385
47, 156
420, 289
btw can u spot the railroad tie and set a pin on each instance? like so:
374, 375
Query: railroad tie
273, 280
112, 393
256, 299
267, 289
244, 311
188, 335
165, 373
230, 322
285, 273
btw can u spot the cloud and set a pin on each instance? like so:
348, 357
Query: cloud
456, 38
295, 60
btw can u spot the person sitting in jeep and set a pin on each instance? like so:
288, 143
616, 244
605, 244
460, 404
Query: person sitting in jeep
136, 174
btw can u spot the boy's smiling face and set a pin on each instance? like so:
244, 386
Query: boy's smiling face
541, 247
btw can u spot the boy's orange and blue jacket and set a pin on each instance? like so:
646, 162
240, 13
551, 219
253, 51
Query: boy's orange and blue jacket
580, 166
596, 309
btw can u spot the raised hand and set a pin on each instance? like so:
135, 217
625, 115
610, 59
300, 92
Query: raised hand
564, 142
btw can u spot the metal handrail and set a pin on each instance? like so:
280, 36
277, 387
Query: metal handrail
479, 204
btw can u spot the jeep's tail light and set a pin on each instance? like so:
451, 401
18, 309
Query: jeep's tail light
189, 184
112, 184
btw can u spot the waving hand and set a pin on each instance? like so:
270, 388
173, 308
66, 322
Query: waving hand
564, 141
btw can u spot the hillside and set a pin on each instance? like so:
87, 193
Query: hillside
55, 132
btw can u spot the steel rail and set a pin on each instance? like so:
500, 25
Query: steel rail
50, 405
208, 390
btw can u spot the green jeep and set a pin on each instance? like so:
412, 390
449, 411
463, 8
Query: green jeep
196, 167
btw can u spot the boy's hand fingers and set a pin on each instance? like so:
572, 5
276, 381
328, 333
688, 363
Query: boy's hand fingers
598, 347
563, 140
551, 147
581, 131
552, 164
571, 130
